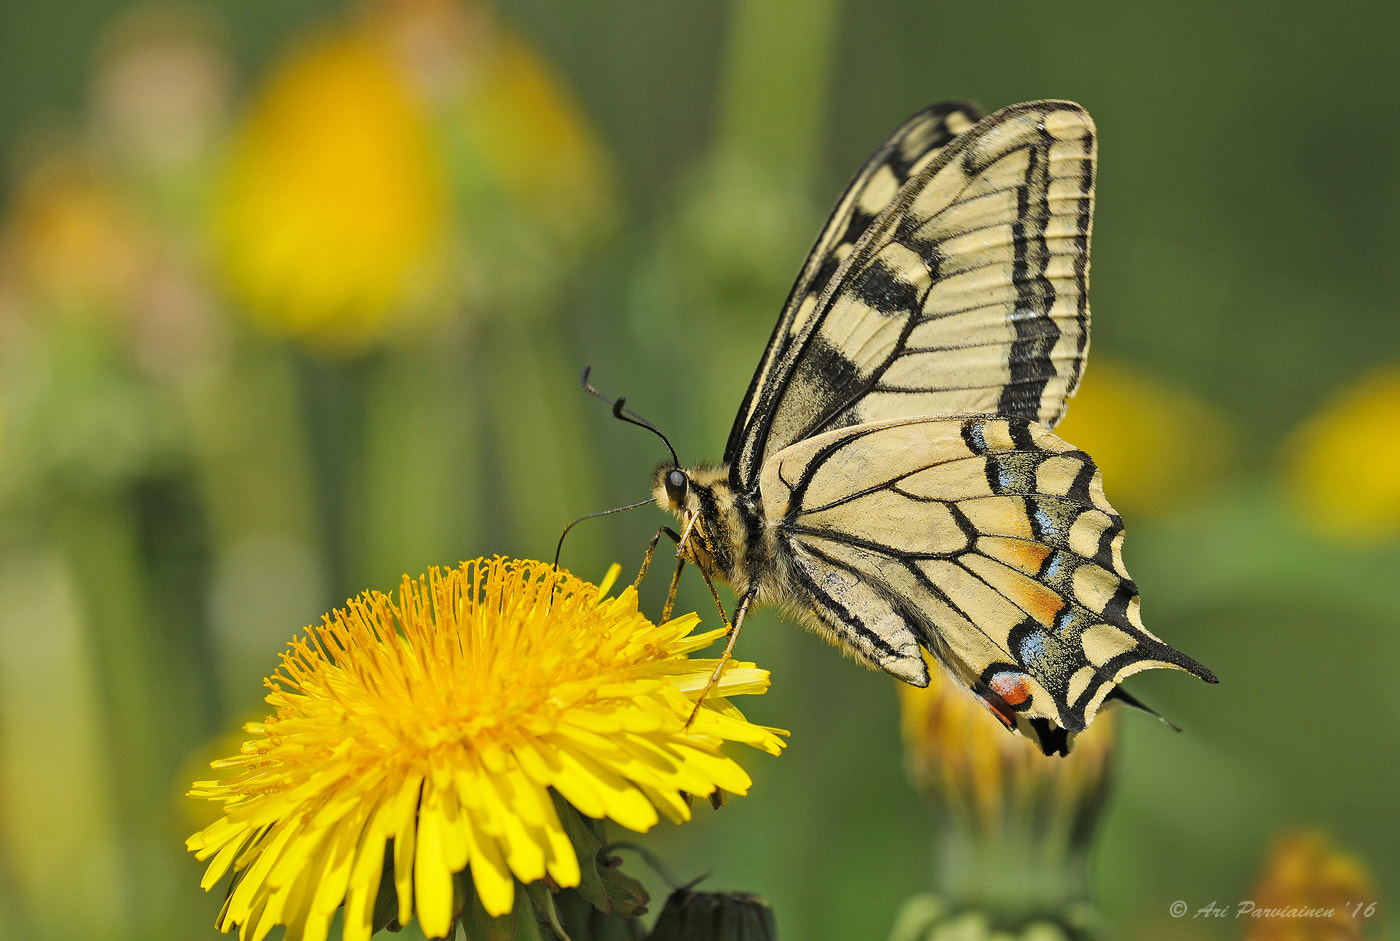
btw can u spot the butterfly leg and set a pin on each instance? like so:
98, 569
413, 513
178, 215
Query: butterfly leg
733, 635
671, 592
646, 559
651, 550
675, 579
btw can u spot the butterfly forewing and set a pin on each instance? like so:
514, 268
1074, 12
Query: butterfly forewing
873, 187
967, 294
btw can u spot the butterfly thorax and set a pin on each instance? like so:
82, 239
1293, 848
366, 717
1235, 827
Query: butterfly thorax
722, 532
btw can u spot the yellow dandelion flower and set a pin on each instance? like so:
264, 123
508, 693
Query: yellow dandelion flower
1344, 463
439, 722
332, 216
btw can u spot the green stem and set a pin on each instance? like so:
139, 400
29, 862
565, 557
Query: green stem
1017, 875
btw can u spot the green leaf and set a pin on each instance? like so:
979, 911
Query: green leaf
626, 896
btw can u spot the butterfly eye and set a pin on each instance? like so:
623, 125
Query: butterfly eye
676, 485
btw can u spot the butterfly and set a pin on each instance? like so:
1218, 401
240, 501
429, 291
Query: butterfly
892, 476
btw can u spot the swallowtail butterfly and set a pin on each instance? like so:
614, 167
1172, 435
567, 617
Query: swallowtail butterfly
892, 475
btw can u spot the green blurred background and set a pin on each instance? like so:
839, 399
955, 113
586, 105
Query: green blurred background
294, 298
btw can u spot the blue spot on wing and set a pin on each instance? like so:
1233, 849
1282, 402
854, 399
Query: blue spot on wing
1056, 568
1032, 649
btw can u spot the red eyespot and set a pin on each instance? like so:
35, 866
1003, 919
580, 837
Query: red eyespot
1013, 688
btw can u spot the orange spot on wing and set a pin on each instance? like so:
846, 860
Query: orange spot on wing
1036, 600
1013, 688
1026, 556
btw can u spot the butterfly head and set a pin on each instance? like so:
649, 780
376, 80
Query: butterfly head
703, 501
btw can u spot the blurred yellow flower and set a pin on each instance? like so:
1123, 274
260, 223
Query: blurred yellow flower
1158, 447
76, 247
532, 178
331, 217
1310, 890
1343, 466
442, 721
961, 757
518, 137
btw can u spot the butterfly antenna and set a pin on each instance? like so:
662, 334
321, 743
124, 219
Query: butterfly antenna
588, 516
627, 415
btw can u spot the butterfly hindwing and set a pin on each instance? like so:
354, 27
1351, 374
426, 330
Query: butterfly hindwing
967, 294
987, 541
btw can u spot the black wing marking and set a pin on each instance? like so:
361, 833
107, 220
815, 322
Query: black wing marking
875, 185
989, 540
966, 295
